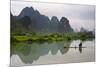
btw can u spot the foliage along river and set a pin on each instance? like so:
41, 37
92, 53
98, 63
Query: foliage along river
50, 53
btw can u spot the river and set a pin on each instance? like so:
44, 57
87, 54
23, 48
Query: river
53, 53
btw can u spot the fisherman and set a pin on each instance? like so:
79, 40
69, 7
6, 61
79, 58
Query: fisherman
80, 45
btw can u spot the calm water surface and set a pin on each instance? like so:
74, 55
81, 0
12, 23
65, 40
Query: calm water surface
50, 53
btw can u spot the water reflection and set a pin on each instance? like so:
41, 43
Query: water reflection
30, 52
64, 50
80, 49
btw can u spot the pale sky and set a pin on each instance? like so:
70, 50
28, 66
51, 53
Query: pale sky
78, 15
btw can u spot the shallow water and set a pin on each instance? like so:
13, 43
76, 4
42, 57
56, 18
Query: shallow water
50, 53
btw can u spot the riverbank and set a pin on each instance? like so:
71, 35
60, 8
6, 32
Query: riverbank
51, 37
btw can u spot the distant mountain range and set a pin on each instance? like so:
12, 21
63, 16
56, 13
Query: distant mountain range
30, 20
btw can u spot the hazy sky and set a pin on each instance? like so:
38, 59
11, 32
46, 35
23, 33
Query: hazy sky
78, 15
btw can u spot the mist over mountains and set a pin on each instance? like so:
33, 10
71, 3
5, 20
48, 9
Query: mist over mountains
30, 20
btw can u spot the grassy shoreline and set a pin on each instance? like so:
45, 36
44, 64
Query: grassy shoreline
51, 37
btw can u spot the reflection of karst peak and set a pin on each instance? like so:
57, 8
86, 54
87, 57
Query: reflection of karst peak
31, 52
65, 50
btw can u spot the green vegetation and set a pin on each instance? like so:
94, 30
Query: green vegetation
33, 37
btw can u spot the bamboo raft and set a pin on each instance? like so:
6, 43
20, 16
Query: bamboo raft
74, 47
